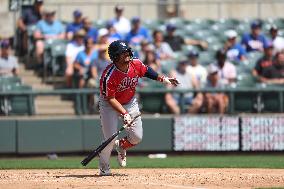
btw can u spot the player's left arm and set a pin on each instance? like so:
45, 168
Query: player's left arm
152, 74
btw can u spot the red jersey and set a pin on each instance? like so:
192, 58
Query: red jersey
122, 86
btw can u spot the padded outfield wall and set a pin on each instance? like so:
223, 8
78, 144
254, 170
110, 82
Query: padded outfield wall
161, 133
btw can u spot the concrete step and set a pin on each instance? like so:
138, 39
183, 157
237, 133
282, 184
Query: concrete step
49, 98
39, 86
55, 111
54, 103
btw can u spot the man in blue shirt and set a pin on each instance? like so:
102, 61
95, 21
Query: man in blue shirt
137, 33
235, 51
91, 32
47, 29
75, 26
254, 41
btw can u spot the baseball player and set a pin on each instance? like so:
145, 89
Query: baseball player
117, 88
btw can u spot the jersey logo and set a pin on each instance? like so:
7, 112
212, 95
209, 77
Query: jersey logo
127, 83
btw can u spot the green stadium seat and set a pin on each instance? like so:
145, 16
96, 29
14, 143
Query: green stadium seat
17, 105
168, 65
58, 58
246, 80
206, 58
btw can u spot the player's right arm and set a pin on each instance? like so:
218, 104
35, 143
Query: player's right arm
116, 105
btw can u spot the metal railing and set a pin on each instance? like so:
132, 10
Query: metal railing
81, 96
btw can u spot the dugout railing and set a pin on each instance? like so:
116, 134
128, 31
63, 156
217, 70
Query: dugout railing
241, 100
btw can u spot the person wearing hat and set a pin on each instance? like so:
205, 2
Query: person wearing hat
278, 41
254, 41
29, 16
91, 32
113, 34
176, 41
264, 62
120, 23
47, 29
137, 33
215, 102
8, 63
235, 51
226, 70
76, 25
197, 70
73, 48
187, 81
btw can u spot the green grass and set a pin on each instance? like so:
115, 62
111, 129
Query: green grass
183, 161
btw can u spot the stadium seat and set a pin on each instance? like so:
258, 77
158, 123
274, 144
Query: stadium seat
245, 80
58, 58
168, 65
16, 105
206, 58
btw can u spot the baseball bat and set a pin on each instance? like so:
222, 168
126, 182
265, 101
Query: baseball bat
98, 150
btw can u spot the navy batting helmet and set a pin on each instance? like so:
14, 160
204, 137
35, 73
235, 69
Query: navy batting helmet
118, 47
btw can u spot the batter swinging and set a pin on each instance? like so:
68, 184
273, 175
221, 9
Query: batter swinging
117, 88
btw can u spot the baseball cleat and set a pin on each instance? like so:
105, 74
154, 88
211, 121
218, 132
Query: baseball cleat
105, 171
121, 154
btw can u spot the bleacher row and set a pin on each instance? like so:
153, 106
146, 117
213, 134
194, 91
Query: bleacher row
211, 31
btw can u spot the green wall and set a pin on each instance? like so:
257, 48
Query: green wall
25, 136
8, 136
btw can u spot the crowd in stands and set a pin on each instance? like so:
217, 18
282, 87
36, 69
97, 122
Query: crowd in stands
86, 54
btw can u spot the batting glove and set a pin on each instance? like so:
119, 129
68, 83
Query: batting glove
168, 80
126, 118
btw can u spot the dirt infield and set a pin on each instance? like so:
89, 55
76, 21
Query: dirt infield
142, 178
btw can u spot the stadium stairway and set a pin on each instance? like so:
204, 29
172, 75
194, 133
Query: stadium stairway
45, 105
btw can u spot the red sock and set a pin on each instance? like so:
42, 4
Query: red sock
125, 144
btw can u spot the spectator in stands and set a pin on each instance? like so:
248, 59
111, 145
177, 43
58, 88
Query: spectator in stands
145, 46
176, 41
215, 102
91, 32
102, 46
187, 81
274, 74
137, 34
263, 62
113, 34
254, 41
235, 51
72, 49
84, 65
47, 29
152, 60
162, 48
197, 70
121, 24
8, 63
29, 17
278, 42
226, 70
76, 25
